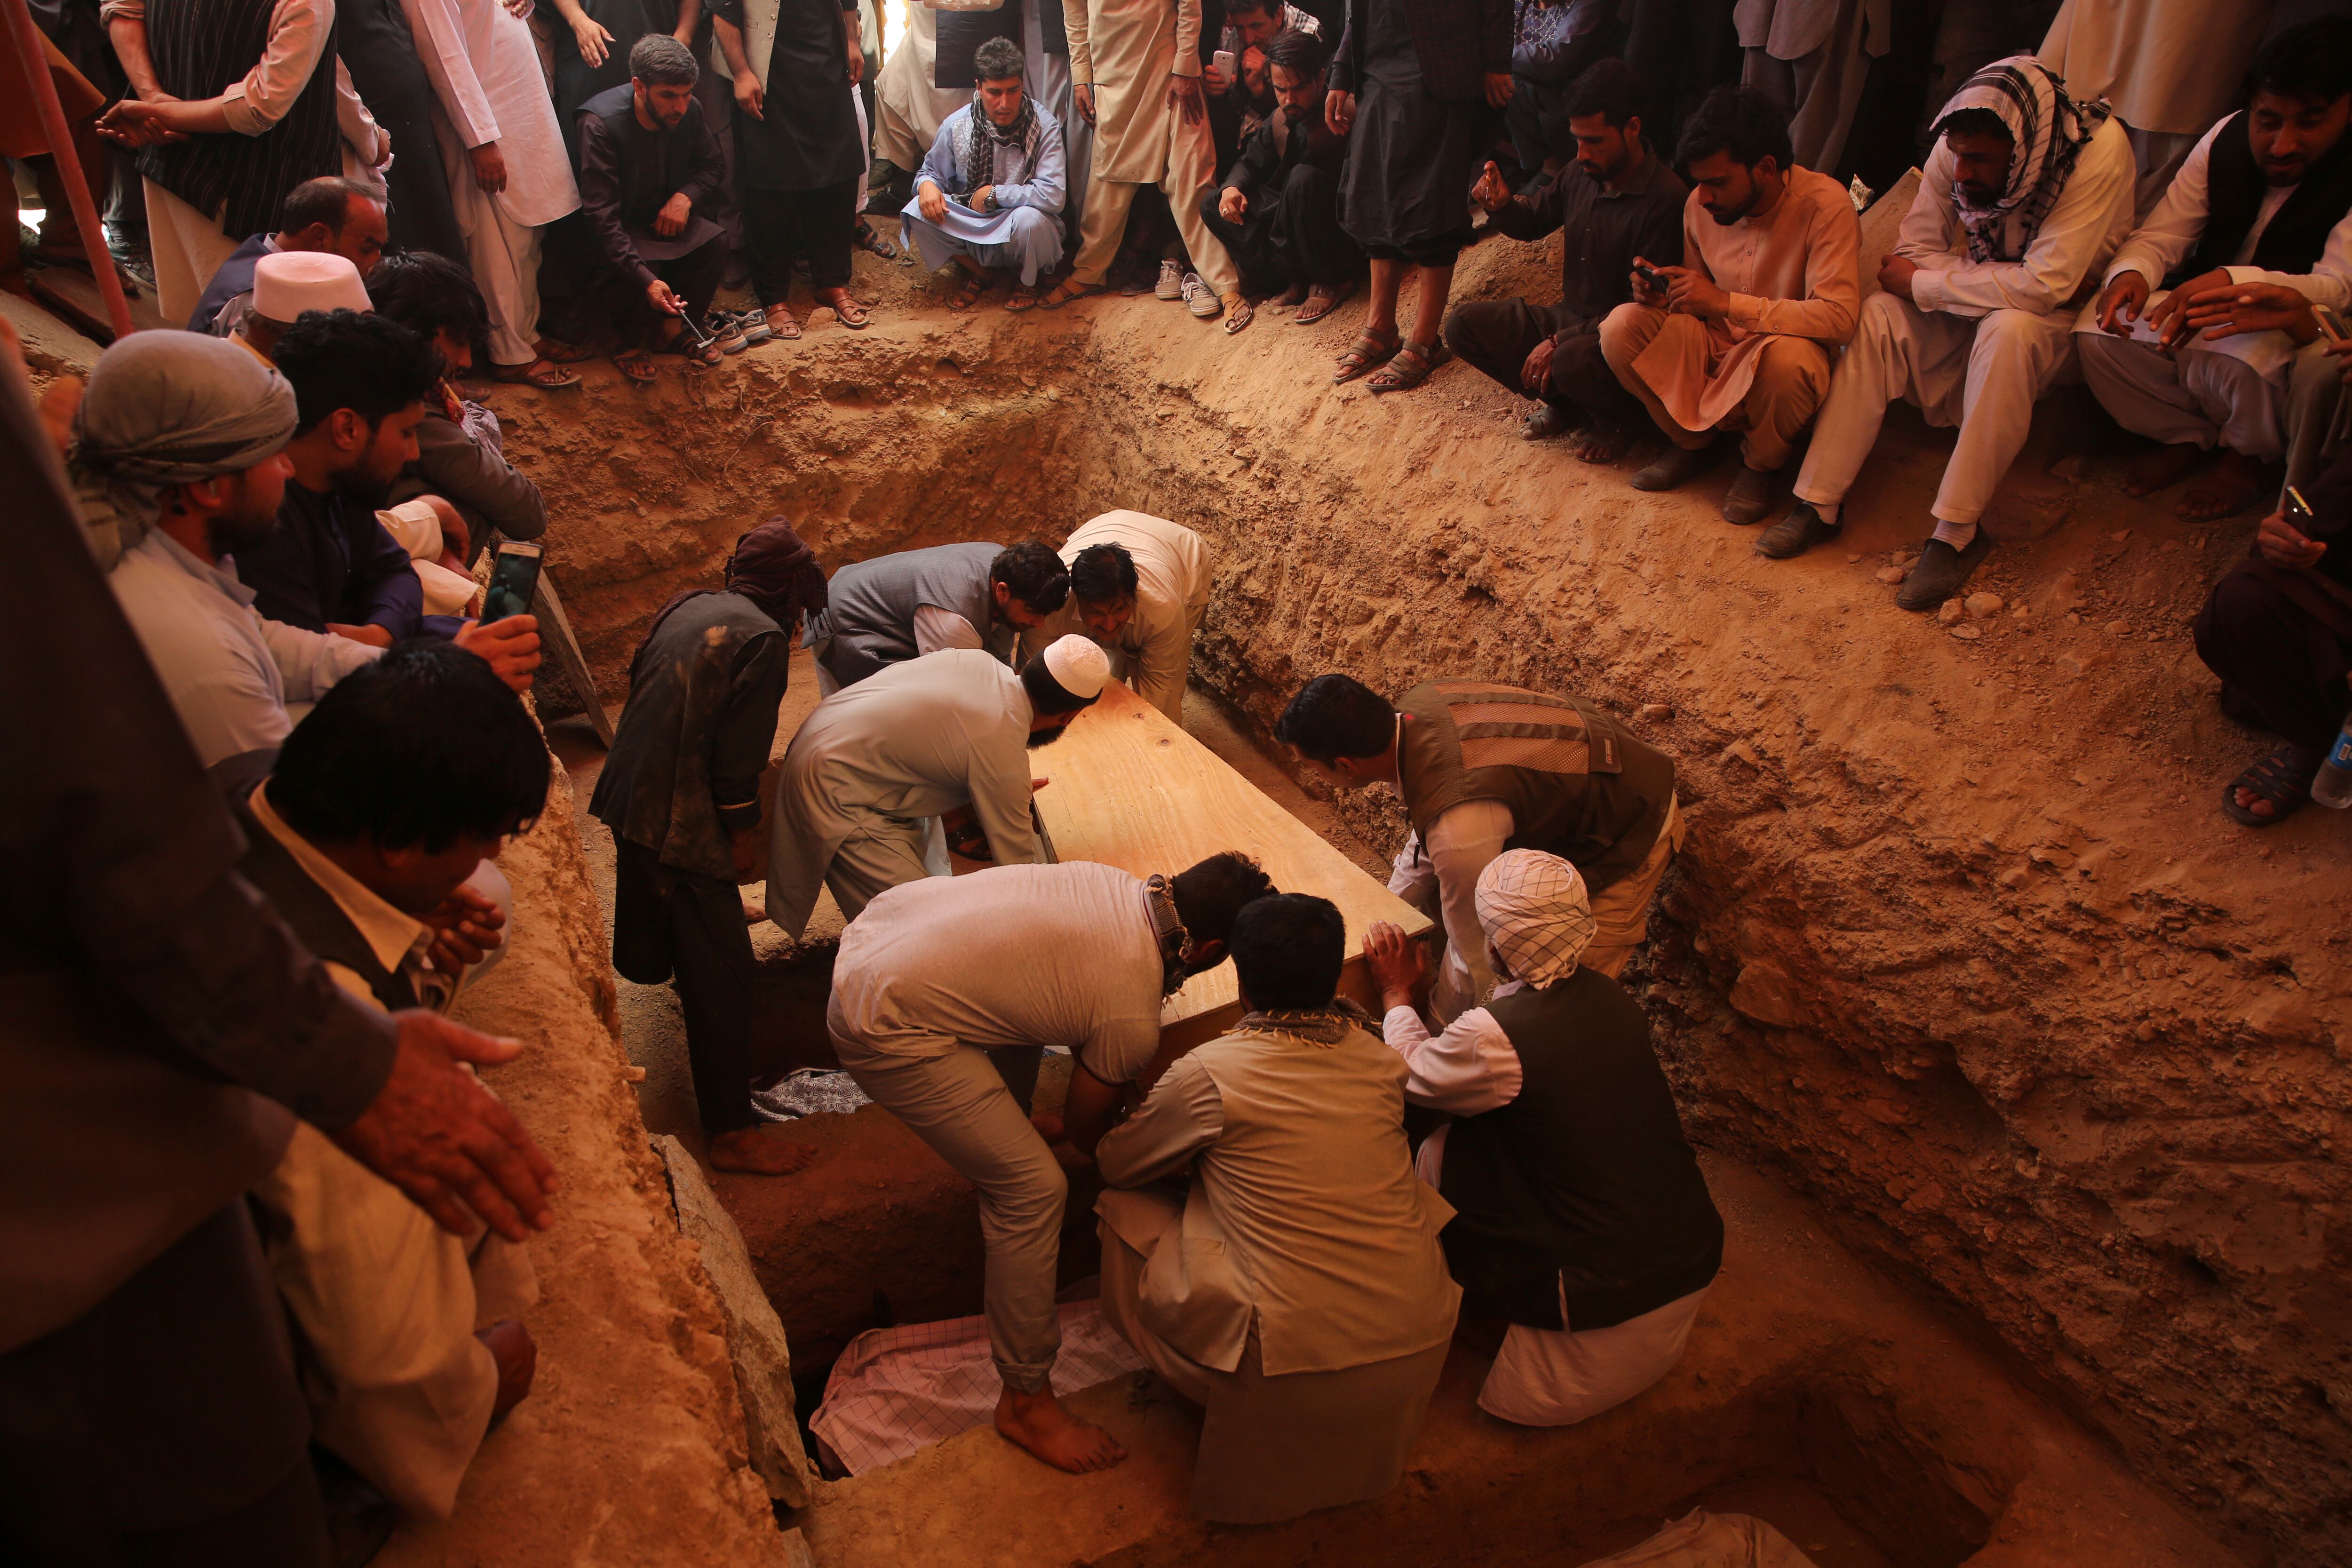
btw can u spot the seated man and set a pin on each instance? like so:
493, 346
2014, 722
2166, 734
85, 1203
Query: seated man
400, 785
1277, 212
999, 158
2258, 223
654, 186
1553, 43
1621, 203
680, 791
2023, 199
1299, 1294
874, 766
1737, 338
1139, 585
944, 996
329, 214
881, 611
1582, 1231
1482, 768
1242, 100
181, 457
286, 286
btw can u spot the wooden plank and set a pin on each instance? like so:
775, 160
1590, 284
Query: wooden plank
1131, 789
555, 636
74, 294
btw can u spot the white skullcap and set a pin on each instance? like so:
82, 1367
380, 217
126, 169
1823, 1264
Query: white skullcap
288, 282
1078, 666
1534, 908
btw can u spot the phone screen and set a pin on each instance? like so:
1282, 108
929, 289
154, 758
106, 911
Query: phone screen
513, 583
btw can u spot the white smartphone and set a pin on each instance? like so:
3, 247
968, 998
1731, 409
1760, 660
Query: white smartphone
1224, 62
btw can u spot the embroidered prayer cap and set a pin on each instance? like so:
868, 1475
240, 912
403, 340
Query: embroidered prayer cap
1078, 666
2049, 130
1534, 908
288, 282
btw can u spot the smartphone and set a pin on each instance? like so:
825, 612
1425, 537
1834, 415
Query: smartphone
1224, 59
1651, 278
514, 580
2298, 510
2331, 325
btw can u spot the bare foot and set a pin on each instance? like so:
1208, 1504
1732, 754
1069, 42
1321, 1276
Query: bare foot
750, 1151
2163, 468
1290, 299
753, 913
1604, 442
511, 1345
2234, 482
1039, 1424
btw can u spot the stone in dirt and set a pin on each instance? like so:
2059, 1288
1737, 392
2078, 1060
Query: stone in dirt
1654, 712
1968, 633
1982, 605
2119, 628
1891, 574
1950, 610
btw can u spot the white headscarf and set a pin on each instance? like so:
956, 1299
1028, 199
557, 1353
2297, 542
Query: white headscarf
164, 407
1533, 908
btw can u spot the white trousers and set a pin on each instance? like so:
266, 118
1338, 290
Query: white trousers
1983, 376
2198, 396
503, 254
1191, 169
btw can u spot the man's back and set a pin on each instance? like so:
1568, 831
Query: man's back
871, 606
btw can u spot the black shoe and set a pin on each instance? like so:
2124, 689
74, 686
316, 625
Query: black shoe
1548, 420
1676, 467
1941, 573
1796, 533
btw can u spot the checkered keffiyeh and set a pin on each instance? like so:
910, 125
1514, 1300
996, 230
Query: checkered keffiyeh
1533, 910
2049, 131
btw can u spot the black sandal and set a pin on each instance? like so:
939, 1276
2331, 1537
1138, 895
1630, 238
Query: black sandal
970, 841
2283, 780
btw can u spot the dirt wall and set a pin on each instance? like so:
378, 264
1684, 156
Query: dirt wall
1959, 943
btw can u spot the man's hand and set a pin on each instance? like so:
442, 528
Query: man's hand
1184, 98
1655, 299
856, 50
746, 853
465, 927
1895, 275
930, 203
982, 199
520, 10
2121, 302
595, 42
1253, 71
1339, 110
489, 168
440, 1137
2235, 307
1399, 966
660, 296
510, 646
1214, 81
1232, 204
749, 96
1084, 95
2284, 544
1693, 293
1492, 191
1535, 374
2169, 319
671, 219
1499, 88
139, 123
374, 636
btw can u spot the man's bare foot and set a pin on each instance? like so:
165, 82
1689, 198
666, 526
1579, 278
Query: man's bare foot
2229, 489
1039, 1424
511, 1345
2163, 468
753, 913
750, 1151
1604, 442
1290, 299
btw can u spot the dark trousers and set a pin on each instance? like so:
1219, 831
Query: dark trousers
1536, 117
693, 277
1290, 235
1497, 335
164, 1426
420, 215
2278, 655
671, 923
783, 226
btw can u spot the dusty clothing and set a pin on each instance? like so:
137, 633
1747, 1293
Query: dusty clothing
2166, 66
1173, 577
1811, 58
876, 613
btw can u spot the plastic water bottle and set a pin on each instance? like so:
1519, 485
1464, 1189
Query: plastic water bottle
2333, 784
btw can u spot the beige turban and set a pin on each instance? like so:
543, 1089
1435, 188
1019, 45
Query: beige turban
1533, 910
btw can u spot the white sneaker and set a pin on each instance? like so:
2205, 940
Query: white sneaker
1171, 281
1201, 299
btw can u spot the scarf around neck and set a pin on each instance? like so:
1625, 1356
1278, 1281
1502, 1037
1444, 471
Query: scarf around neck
983, 136
2049, 130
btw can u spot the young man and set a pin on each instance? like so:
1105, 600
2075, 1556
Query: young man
332, 215
400, 786
681, 795
2026, 197
1582, 1220
1242, 100
1139, 585
872, 769
1737, 338
890, 608
1036, 28
1278, 214
1622, 201
2258, 225
990, 193
1482, 768
1298, 1294
653, 185
944, 996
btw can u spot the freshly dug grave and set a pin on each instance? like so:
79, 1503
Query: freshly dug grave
1959, 943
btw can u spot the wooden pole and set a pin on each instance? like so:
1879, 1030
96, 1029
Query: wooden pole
35, 61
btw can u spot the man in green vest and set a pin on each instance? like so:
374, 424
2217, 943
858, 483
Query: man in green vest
1483, 768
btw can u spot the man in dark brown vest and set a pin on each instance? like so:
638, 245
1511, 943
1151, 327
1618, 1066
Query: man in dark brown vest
1482, 768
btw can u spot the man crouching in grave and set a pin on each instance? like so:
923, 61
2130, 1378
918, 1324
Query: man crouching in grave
945, 994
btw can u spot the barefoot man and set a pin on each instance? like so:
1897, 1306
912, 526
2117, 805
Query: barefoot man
681, 793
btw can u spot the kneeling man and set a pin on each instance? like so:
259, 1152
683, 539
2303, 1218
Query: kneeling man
1139, 585
1580, 1217
990, 193
944, 996
1297, 1291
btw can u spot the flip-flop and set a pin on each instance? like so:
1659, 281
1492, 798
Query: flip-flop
2282, 779
637, 365
1319, 306
540, 373
1409, 367
1067, 289
1366, 353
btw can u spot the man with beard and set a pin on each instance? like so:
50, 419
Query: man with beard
178, 460
1622, 201
2024, 198
947, 732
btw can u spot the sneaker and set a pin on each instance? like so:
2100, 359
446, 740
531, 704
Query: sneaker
1202, 299
726, 331
1941, 571
1796, 533
1171, 281
755, 326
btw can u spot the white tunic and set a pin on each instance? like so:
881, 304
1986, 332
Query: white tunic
485, 72
1128, 49
1172, 579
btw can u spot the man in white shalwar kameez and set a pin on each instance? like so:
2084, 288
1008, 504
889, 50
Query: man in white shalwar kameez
2170, 68
508, 172
909, 109
1139, 585
988, 194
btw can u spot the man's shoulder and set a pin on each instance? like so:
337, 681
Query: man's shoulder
607, 104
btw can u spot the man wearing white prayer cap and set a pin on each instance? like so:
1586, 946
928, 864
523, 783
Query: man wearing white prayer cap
1565, 1129
878, 764
285, 284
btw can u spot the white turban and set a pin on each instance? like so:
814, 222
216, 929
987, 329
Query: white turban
1533, 910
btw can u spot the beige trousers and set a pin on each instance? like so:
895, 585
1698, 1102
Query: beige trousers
1621, 915
1792, 374
188, 247
1191, 169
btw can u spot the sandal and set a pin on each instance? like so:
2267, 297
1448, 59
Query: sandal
1409, 367
540, 373
1023, 297
845, 307
1239, 313
637, 365
555, 350
873, 244
2281, 781
1367, 353
967, 293
1067, 289
700, 356
1319, 305
782, 322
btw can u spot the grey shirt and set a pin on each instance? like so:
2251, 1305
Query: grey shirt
869, 614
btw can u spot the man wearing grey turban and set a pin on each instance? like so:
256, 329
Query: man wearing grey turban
1584, 1234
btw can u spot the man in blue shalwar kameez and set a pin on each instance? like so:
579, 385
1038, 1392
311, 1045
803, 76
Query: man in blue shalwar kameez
990, 192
